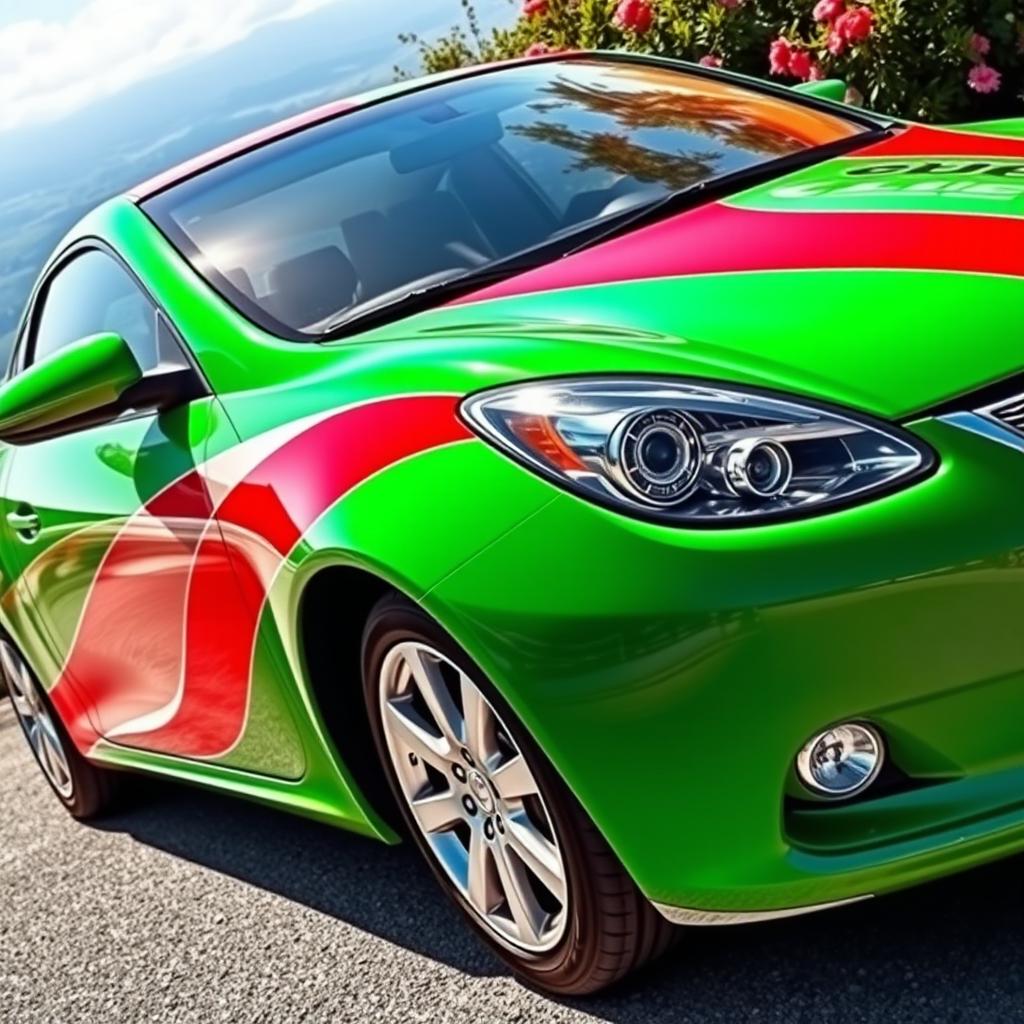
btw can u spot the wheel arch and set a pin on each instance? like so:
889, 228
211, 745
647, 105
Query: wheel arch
333, 608
333, 605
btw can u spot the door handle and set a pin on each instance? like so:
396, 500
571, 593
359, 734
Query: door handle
24, 522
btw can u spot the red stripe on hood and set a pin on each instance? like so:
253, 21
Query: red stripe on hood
720, 239
922, 141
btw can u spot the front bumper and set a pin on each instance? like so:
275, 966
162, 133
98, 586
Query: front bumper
671, 676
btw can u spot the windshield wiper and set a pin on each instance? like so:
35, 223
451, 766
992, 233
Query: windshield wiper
544, 254
374, 311
420, 298
727, 184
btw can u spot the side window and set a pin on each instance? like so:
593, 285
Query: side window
94, 293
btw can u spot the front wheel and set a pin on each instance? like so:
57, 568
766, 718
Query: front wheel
81, 787
502, 833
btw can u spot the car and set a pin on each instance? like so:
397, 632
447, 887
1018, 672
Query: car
603, 470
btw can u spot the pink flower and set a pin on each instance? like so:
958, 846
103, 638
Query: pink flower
829, 10
817, 72
538, 50
780, 54
635, 15
836, 44
730, 4
800, 65
982, 78
855, 25
710, 60
978, 45
534, 8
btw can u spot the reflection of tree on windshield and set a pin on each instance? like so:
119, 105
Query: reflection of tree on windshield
720, 118
616, 153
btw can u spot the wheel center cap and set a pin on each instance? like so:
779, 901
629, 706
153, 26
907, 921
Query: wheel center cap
482, 792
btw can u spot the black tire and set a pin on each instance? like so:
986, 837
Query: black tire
612, 929
93, 790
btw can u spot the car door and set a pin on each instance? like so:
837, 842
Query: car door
103, 522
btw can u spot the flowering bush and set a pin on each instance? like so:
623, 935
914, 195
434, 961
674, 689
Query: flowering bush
934, 60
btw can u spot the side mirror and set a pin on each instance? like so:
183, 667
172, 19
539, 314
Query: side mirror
833, 89
81, 378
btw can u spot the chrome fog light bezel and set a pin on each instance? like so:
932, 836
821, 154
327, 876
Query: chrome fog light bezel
866, 743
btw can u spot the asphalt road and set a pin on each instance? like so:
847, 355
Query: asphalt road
191, 907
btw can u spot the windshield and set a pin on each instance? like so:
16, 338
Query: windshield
462, 175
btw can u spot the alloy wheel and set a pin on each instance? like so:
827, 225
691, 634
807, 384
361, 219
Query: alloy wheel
473, 797
36, 721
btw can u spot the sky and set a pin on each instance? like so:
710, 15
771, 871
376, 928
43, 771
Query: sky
96, 95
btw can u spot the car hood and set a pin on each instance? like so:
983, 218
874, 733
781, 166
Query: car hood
891, 279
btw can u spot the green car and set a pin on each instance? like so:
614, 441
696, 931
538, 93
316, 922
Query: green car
604, 470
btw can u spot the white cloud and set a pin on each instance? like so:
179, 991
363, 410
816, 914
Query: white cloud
51, 68
135, 155
287, 104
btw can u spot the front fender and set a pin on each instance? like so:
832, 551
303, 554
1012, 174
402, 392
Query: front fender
411, 525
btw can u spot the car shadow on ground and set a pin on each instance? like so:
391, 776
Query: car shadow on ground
952, 950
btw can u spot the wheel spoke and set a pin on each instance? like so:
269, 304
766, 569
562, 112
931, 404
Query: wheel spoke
61, 768
479, 722
28, 688
33, 735
21, 688
9, 663
513, 779
43, 746
426, 673
46, 751
480, 887
21, 705
409, 730
60, 771
438, 812
537, 853
522, 904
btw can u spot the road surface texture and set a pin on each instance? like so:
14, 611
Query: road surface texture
191, 907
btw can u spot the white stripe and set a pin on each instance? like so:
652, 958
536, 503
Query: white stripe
748, 208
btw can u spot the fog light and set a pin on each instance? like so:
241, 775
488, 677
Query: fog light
842, 761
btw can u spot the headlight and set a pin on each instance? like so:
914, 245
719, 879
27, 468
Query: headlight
694, 453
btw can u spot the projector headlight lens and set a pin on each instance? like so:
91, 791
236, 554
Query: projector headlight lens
758, 468
656, 455
695, 453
